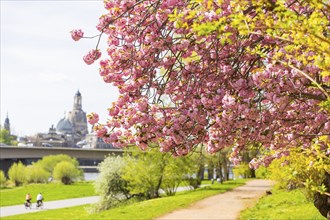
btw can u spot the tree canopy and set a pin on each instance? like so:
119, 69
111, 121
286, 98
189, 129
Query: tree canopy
218, 73
224, 73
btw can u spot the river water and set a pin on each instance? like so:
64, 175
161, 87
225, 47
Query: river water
90, 176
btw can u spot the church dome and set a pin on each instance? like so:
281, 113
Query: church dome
64, 126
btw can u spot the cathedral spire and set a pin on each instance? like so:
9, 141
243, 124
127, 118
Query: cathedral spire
77, 101
7, 124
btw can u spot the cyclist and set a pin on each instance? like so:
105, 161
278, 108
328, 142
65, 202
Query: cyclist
28, 200
39, 199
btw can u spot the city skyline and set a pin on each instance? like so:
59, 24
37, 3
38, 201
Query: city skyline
42, 67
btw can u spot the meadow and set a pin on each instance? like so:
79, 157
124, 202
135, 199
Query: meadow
148, 209
51, 191
283, 204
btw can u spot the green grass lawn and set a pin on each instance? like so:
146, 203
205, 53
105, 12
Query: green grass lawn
141, 210
51, 191
283, 205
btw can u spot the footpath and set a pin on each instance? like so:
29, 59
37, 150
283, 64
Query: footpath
20, 209
224, 206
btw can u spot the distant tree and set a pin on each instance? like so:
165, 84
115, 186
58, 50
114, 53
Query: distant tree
219, 163
5, 137
49, 162
144, 173
36, 174
242, 171
149, 171
2, 178
17, 174
66, 172
179, 170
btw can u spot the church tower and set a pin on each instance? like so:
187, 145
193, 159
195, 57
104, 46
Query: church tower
75, 121
77, 101
7, 124
77, 116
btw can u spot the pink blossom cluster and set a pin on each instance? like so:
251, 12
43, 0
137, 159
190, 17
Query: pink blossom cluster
180, 89
93, 118
92, 56
77, 34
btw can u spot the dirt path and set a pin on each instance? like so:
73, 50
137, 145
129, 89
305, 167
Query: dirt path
224, 206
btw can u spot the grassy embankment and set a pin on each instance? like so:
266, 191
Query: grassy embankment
282, 204
141, 210
51, 191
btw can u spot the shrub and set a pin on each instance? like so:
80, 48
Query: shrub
178, 170
36, 174
193, 182
151, 170
66, 172
111, 187
262, 172
2, 178
243, 170
144, 173
48, 163
17, 174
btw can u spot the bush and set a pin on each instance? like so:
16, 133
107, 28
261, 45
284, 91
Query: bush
178, 170
193, 182
262, 173
243, 170
66, 172
17, 173
2, 178
48, 163
36, 174
149, 171
144, 172
111, 187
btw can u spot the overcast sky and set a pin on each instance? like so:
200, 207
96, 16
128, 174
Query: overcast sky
42, 67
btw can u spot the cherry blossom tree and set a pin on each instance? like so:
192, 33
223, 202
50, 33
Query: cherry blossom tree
218, 74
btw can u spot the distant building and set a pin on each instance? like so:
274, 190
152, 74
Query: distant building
92, 141
53, 139
75, 122
71, 129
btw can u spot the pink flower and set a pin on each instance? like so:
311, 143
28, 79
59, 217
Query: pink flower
113, 111
92, 56
93, 118
77, 34
100, 130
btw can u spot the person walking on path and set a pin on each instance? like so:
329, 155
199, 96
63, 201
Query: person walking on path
225, 206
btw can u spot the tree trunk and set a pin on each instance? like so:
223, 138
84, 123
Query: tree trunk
322, 201
253, 173
201, 171
66, 180
225, 168
220, 173
158, 185
210, 169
